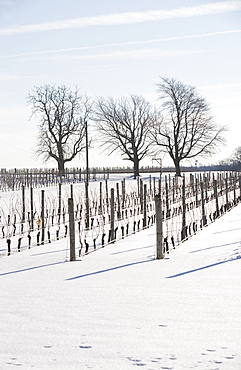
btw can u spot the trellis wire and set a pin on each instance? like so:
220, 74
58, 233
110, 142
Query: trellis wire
186, 207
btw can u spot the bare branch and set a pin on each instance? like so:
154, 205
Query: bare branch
62, 114
187, 129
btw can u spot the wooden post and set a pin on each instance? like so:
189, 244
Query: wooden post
206, 187
239, 181
87, 207
160, 185
71, 229
23, 204
226, 190
159, 231
123, 192
196, 191
106, 193
167, 200
112, 216
118, 201
101, 199
204, 219
144, 207
59, 209
173, 189
138, 185
216, 196
234, 189
31, 207
141, 195
71, 191
42, 216
183, 233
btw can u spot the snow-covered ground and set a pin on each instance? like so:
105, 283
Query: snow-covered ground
119, 307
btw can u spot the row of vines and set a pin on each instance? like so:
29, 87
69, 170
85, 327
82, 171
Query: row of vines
112, 210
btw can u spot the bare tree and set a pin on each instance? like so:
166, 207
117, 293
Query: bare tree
124, 124
186, 129
62, 114
236, 157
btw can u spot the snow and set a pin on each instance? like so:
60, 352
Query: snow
119, 307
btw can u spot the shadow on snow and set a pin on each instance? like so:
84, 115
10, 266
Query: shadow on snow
107, 270
215, 246
202, 268
31, 268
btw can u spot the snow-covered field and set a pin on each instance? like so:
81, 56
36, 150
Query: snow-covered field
119, 307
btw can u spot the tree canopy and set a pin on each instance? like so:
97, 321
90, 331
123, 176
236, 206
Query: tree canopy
62, 114
186, 129
124, 124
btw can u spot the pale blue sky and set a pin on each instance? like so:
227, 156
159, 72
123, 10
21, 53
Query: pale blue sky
115, 48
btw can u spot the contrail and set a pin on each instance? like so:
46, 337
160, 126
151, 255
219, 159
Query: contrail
64, 50
126, 18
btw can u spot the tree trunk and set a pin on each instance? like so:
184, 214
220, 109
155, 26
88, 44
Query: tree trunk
177, 167
61, 168
136, 168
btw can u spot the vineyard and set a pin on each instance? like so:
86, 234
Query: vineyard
105, 211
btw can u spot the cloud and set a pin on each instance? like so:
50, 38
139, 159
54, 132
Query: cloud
93, 47
126, 18
7, 77
140, 54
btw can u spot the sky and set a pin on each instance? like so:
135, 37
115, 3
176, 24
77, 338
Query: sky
113, 48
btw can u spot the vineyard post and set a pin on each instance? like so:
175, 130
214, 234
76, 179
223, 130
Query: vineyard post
31, 179
159, 231
206, 187
184, 234
167, 200
191, 182
71, 191
150, 189
141, 195
23, 203
138, 185
71, 229
31, 207
154, 185
118, 201
173, 190
112, 215
216, 196
27, 177
144, 207
107, 195
123, 192
234, 189
87, 207
101, 196
42, 216
226, 186
59, 209
204, 219
196, 190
